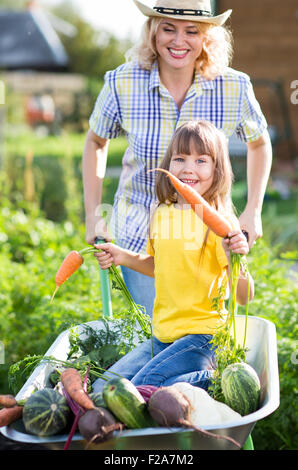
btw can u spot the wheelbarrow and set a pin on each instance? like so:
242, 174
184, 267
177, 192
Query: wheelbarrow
262, 355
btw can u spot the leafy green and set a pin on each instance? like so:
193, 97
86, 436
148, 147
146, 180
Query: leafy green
107, 345
20, 371
227, 349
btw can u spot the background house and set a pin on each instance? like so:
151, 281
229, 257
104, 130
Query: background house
28, 41
266, 48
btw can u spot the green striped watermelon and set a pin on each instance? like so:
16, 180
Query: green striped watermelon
241, 388
46, 413
126, 403
97, 399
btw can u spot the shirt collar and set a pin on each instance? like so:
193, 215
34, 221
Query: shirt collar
200, 83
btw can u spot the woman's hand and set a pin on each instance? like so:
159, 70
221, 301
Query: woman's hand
111, 254
252, 224
235, 242
96, 228
259, 160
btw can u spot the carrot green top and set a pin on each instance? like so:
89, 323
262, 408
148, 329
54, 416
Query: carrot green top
185, 282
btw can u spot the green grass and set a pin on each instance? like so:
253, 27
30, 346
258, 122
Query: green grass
66, 144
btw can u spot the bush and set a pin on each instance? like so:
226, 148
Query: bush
53, 179
276, 299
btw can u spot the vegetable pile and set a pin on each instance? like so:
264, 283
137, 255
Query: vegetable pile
69, 408
68, 405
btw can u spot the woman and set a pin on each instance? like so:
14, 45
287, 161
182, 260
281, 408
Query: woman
178, 72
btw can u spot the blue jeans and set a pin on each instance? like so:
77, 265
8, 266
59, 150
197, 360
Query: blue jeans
188, 359
141, 288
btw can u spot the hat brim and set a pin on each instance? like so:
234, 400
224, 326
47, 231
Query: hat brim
218, 20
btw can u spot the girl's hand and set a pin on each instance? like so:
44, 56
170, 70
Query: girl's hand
235, 242
111, 254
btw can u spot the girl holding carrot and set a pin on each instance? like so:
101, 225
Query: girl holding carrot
188, 261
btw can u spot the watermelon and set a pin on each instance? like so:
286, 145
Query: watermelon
241, 388
97, 399
46, 413
126, 403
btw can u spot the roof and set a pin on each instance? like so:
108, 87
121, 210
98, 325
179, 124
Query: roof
29, 42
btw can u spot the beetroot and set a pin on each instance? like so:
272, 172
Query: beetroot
170, 407
146, 391
98, 425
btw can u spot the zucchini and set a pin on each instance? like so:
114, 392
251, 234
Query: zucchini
126, 403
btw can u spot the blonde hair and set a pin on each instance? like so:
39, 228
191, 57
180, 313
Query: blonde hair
216, 55
207, 140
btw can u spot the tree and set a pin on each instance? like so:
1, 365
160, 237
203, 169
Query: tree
92, 52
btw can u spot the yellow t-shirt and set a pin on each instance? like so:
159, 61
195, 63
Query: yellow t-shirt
185, 283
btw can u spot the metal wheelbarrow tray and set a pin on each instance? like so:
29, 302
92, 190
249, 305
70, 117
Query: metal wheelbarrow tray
262, 355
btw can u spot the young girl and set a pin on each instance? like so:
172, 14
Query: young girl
188, 262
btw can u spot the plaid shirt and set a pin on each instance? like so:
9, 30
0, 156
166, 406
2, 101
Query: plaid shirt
135, 101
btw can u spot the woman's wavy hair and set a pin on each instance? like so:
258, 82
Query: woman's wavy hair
215, 57
206, 139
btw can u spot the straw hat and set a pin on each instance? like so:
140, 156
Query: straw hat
190, 10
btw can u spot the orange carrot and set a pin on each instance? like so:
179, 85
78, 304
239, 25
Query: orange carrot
72, 382
7, 401
71, 263
10, 415
210, 216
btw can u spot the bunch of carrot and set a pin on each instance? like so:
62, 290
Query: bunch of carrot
72, 263
72, 383
11, 411
76, 395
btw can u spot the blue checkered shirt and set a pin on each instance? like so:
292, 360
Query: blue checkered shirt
134, 101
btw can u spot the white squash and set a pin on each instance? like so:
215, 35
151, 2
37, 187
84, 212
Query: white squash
205, 410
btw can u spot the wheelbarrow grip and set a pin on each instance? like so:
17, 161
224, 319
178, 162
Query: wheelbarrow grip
105, 288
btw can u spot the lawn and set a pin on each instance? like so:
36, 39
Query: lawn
59, 146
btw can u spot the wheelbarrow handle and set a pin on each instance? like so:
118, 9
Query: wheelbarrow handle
105, 288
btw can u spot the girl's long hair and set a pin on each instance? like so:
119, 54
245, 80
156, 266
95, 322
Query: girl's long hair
206, 140
216, 55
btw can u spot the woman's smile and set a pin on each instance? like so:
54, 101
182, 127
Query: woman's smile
178, 43
178, 53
